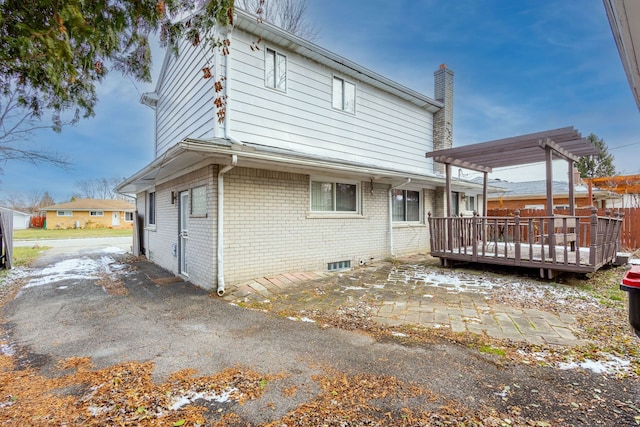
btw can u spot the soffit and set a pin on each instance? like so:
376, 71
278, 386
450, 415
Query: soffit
624, 18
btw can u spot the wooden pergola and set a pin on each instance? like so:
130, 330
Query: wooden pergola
565, 143
551, 243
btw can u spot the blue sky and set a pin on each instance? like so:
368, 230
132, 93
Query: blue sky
520, 67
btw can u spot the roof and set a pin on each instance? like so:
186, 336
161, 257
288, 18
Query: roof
273, 34
565, 143
91, 205
533, 188
14, 211
192, 152
624, 18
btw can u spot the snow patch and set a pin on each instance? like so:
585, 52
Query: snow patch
612, 365
301, 319
211, 396
83, 268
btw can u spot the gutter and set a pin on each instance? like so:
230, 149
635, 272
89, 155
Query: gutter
220, 257
391, 213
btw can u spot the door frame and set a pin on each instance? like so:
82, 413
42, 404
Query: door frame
183, 232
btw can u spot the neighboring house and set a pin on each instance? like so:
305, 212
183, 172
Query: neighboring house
20, 219
627, 187
533, 195
624, 18
317, 163
90, 213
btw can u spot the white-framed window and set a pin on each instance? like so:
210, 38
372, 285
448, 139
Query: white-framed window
199, 201
471, 203
344, 95
128, 217
64, 213
334, 196
406, 206
96, 213
151, 208
275, 75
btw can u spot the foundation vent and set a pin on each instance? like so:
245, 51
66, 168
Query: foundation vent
339, 265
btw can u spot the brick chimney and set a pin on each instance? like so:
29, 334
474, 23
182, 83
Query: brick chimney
443, 119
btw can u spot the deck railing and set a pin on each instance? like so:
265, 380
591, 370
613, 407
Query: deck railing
574, 243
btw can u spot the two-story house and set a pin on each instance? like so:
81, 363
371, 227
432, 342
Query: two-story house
318, 163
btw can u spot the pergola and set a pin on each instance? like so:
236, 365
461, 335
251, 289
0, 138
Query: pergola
564, 143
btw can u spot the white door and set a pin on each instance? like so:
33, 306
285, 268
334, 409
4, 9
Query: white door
183, 232
115, 219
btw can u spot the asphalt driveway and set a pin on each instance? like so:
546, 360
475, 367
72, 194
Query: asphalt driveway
109, 307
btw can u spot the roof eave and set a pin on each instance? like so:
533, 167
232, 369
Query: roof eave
624, 16
248, 22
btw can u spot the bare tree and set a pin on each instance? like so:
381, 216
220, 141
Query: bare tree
28, 202
18, 122
290, 15
99, 188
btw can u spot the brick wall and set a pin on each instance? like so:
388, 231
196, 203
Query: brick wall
443, 119
83, 219
201, 245
269, 228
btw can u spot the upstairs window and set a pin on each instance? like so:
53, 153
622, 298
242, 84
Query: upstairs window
275, 70
334, 197
406, 206
344, 95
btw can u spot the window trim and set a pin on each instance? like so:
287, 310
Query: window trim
151, 205
334, 181
420, 219
343, 82
202, 214
276, 68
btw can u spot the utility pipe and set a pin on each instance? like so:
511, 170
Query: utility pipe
234, 162
391, 213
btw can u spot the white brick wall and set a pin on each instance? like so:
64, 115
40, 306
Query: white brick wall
201, 246
269, 228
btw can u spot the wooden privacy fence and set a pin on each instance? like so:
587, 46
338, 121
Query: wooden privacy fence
629, 235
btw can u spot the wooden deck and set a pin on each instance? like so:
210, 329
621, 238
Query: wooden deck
551, 243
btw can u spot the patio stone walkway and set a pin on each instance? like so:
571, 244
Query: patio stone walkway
411, 292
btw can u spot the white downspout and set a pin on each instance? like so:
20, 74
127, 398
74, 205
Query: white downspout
234, 162
393, 253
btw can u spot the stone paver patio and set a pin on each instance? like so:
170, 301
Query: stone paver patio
412, 292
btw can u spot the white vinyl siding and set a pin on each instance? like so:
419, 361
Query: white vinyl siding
185, 104
386, 132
